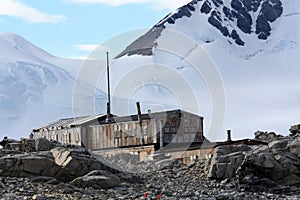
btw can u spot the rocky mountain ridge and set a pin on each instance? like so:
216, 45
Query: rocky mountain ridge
236, 20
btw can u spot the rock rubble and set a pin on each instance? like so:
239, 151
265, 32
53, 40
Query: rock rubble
269, 171
176, 181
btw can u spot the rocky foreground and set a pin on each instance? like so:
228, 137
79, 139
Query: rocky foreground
241, 171
173, 182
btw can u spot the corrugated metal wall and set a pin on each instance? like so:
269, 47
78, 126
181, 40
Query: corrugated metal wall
120, 135
64, 136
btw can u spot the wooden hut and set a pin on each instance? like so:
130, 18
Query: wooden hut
97, 132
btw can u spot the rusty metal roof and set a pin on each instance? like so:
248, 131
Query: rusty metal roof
70, 122
146, 116
77, 121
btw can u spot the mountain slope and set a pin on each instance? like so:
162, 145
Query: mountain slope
245, 25
248, 48
35, 87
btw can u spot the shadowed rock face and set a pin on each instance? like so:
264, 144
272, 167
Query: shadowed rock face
62, 163
143, 45
246, 16
275, 163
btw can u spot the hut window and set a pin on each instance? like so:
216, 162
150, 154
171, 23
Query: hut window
120, 132
186, 129
133, 131
69, 138
167, 129
117, 131
116, 127
174, 129
76, 137
65, 138
190, 129
116, 134
128, 130
193, 129
145, 129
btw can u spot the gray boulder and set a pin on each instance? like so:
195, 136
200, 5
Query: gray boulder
64, 164
75, 162
226, 161
278, 161
26, 165
97, 179
42, 144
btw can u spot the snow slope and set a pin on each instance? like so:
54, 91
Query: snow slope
35, 87
235, 62
210, 56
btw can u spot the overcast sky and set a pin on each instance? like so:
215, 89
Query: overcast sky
72, 28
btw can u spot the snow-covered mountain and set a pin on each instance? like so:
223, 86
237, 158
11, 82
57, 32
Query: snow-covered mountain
35, 87
213, 56
235, 62
246, 26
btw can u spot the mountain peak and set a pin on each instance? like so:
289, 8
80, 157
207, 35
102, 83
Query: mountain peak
14, 39
10, 36
14, 44
230, 23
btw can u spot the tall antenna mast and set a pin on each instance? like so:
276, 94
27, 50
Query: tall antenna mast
108, 87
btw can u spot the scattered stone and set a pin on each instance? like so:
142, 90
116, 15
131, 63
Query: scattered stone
38, 197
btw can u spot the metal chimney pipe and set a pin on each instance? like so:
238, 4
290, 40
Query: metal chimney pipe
107, 111
138, 106
108, 88
229, 135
